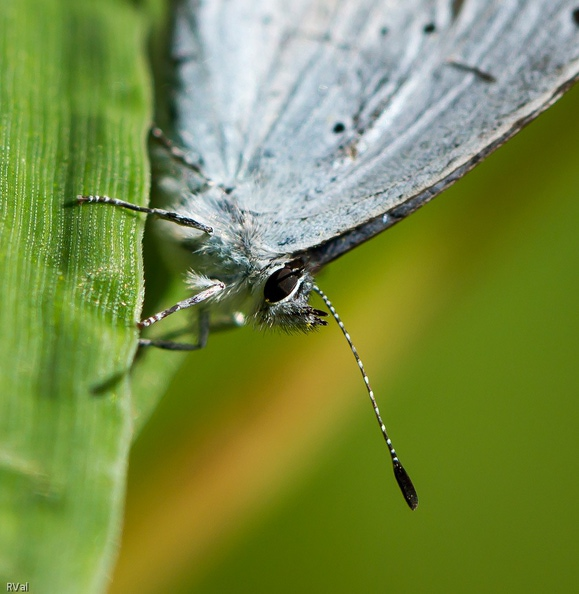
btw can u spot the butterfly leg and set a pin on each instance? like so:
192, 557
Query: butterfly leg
171, 345
234, 320
182, 157
212, 290
178, 153
167, 215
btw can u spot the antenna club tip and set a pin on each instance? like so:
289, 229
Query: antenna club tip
412, 502
405, 484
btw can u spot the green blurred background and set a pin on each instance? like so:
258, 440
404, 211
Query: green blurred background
263, 469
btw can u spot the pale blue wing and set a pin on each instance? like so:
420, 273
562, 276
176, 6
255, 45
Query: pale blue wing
333, 120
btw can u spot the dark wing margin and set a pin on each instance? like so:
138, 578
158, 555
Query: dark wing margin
324, 253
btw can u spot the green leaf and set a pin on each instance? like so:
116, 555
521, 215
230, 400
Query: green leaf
75, 107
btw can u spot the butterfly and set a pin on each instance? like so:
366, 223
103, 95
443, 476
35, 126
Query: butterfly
300, 130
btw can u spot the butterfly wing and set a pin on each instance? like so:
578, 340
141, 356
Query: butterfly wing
335, 119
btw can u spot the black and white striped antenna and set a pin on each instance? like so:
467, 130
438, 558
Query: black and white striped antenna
400, 473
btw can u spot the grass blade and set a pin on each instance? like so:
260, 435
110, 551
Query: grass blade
74, 113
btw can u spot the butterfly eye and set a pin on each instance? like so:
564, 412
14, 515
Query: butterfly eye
281, 284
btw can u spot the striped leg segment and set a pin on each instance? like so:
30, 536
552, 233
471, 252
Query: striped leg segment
158, 212
190, 302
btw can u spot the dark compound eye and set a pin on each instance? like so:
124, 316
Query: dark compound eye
281, 284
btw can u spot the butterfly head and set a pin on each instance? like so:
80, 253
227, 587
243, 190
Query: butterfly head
285, 300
